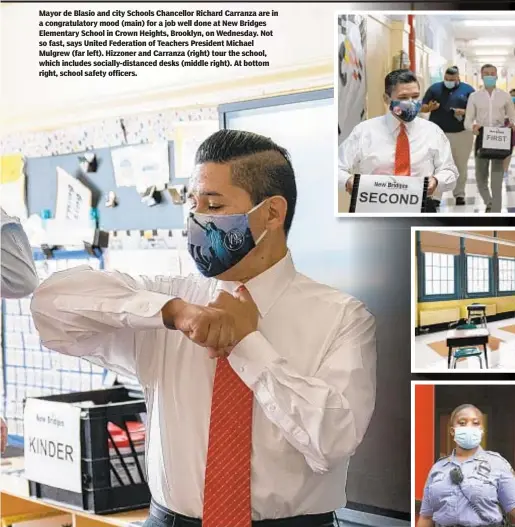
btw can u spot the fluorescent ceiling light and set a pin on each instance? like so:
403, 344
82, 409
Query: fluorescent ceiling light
492, 52
489, 23
489, 42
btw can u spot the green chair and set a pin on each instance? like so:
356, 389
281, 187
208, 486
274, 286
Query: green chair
465, 353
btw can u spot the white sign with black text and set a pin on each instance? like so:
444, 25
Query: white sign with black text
52, 444
496, 138
389, 194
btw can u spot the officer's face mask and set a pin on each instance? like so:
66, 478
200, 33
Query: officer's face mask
468, 437
405, 110
218, 242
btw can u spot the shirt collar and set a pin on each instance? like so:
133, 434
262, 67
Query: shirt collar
394, 124
267, 287
479, 454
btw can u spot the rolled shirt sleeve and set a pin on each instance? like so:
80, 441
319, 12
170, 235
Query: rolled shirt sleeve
446, 172
18, 272
349, 157
324, 416
470, 112
106, 316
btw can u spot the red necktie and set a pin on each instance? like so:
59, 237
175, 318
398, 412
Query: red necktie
227, 480
402, 153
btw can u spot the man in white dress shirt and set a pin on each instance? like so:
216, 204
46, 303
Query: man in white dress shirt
489, 107
18, 274
291, 391
399, 143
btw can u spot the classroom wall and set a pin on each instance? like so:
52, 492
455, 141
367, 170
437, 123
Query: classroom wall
379, 62
504, 304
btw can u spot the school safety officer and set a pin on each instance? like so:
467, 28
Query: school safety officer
471, 486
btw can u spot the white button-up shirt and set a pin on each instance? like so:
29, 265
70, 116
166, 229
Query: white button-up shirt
489, 110
370, 149
18, 273
311, 365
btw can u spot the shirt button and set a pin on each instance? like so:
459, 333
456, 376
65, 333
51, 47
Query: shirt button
145, 306
242, 369
272, 407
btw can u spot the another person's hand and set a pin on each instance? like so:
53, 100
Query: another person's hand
433, 106
431, 187
460, 112
349, 185
207, 326
242, 310
475, 129
3, 435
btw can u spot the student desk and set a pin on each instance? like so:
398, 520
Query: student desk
461, 338
15, 501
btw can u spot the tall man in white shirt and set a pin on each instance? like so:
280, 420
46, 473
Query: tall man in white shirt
489, 107
18, 273
292, 390
399, 143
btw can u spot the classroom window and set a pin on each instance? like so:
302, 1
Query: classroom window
439, 274
478, 274
506, 274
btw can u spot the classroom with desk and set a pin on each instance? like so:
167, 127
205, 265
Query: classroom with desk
463, 299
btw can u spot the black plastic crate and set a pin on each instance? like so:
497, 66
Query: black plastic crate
113, 478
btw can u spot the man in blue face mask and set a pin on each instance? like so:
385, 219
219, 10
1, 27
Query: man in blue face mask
373, 147
489, 107
446, 101
266, 430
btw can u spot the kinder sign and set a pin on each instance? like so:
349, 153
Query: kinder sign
52, 444
388, 194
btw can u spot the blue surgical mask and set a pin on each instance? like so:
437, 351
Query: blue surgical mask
405, 110
218, 242
513, 99
490, 81
450, 84
468, 437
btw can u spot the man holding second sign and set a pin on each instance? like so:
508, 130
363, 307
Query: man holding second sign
487, 111
399, 143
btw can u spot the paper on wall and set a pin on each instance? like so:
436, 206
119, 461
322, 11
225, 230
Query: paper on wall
12, 181
145, 262
187, 138
73, 198
142, 166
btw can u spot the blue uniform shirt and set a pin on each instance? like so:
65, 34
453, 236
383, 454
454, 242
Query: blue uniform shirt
488, 482
455, 98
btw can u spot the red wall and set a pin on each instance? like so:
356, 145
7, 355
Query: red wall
424, 435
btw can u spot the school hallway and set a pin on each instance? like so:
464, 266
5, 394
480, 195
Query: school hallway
474, 203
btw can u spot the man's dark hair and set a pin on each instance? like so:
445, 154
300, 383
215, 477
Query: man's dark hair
453, 70
398, 77
512, 91
258, 165
484, 66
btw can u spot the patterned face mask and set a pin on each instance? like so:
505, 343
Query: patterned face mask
218, 242
405, 110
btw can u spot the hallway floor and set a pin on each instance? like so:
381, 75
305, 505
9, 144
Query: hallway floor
474, 203
431, 352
